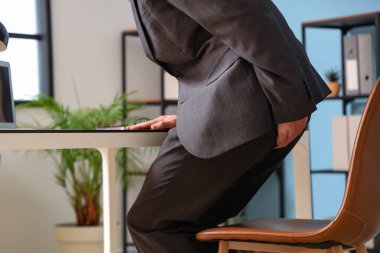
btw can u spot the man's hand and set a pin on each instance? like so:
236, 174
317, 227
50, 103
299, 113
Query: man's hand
288, 131
162, 122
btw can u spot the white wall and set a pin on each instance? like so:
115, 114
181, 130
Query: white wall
87, 49
87, 54
31, 201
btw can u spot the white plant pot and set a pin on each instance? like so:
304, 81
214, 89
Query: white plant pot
73, 239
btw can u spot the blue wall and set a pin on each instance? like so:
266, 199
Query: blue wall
323, 47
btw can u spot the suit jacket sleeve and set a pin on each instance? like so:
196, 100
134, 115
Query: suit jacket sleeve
251, 29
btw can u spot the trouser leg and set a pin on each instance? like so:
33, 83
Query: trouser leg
183, 194
242, 191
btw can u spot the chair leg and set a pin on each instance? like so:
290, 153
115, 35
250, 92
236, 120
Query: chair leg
336, 249
223, 247
361, 249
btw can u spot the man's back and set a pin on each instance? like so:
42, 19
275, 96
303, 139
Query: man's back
199, 41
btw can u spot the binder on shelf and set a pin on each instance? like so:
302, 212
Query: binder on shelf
353, 124
340, 143
344, 129
351, 64
365, 56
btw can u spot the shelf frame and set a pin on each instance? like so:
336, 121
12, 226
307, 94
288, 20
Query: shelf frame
345, 24
161, 102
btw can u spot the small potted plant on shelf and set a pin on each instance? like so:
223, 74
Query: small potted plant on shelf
79, 171
333, 77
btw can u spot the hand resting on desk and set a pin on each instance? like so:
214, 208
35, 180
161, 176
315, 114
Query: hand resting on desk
162, 122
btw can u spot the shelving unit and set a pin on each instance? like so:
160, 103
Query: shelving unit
345, 24
161, 102
329, 171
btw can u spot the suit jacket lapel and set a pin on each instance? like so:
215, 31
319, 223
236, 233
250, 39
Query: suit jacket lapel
141, 30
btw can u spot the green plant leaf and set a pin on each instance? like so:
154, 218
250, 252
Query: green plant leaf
79, 171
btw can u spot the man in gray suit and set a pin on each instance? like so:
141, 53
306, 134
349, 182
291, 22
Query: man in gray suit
246, 92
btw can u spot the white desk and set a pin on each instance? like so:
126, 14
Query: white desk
105, 141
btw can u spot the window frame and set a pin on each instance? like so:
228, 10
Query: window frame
45, 47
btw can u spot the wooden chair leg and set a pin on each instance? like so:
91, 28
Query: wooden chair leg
361, 249
335, 249
223, 247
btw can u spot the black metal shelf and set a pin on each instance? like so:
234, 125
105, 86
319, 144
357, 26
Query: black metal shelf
345, 24
130, 32
347, 98
170, 102
328, 171
155, 102
161, 102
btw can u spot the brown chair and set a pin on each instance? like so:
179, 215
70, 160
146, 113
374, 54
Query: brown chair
357, 221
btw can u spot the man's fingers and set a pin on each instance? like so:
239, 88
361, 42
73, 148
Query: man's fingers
288, 131
142, 125
157, 123
157, 126
284, 139
281, 139
161, 122
161, 125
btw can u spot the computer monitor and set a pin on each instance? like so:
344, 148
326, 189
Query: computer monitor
7, 108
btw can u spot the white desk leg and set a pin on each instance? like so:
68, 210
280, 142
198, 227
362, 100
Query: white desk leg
109, 199
302, 184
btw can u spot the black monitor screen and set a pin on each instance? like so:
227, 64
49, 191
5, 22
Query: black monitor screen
7, 118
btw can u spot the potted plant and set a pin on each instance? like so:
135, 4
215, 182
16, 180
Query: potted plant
333, 77
79, 170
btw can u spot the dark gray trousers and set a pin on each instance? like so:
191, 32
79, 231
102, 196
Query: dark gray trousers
183, 194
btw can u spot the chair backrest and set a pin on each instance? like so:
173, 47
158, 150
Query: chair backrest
359, 217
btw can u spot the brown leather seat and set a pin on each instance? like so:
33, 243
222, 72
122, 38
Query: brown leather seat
357, 221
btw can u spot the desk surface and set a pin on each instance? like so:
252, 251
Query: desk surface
16, 139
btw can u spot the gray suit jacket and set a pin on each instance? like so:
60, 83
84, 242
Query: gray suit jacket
240, 68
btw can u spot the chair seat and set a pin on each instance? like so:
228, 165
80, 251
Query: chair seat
271, 230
